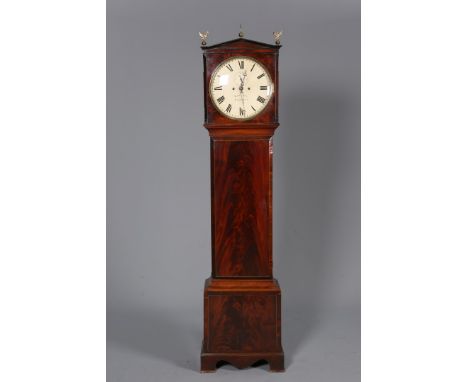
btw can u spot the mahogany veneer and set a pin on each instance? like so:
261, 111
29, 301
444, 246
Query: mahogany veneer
242, 300
242, 323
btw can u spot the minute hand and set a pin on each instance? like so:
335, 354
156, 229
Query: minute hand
241, 88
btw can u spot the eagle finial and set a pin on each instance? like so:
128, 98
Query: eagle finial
203, 37
277, 36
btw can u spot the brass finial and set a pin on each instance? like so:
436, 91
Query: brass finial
203, 37
241, 33
277, 36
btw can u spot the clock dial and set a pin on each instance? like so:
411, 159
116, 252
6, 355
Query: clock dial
240, 88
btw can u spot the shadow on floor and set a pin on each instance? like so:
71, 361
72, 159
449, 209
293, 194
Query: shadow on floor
159, 334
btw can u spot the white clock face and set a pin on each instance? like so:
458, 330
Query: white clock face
240, 88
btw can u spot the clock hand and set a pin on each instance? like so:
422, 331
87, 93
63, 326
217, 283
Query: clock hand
243, 80
241, 87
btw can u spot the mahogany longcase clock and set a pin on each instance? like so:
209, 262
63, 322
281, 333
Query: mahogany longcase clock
242, 300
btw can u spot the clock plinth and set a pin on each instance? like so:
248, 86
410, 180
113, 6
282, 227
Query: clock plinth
242, 323
242, 300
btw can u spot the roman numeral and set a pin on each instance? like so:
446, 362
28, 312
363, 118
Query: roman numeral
253, 66
253, 108
241, 64
263, 87
241, 112
261, 99
220, 99
218, 88
261, 75
228, 109
229, 67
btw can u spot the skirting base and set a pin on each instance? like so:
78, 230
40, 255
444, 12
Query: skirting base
210, 361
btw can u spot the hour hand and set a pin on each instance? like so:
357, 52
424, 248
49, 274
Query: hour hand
241, 87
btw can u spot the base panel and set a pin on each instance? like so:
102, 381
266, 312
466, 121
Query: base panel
242, 323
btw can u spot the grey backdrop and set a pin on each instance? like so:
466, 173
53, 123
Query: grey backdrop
158, 185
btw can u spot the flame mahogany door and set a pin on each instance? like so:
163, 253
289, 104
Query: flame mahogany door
242, 300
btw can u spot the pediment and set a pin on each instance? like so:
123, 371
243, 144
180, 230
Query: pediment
241, 43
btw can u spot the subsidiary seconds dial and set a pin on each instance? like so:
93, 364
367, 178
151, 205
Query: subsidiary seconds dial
240, 88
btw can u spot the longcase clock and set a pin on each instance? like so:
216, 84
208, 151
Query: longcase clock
242, 300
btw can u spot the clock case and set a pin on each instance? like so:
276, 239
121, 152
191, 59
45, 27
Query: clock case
242, 300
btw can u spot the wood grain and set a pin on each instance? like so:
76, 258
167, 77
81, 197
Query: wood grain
241, 177
242, 323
